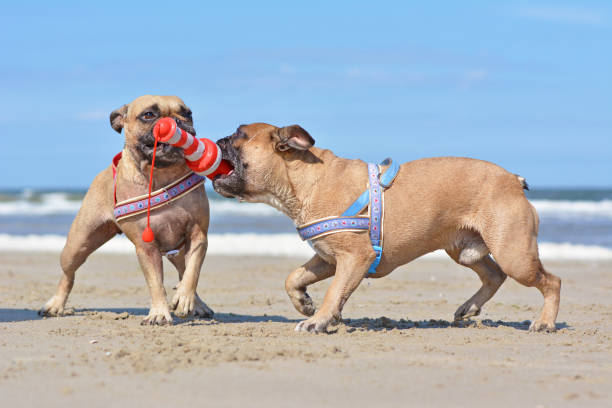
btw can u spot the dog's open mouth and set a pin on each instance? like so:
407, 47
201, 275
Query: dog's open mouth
161, 147
232, 184
224, 176
225, 184
166, 154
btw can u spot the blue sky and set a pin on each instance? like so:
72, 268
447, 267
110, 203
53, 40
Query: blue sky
527, 85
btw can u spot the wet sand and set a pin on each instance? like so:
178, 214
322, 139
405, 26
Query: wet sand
396, 347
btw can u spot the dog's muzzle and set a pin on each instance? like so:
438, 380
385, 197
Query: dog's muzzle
232, 184
167, 154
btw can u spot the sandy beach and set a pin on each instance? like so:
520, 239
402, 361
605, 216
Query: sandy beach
396, 347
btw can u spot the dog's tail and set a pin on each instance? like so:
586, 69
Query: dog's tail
523, 182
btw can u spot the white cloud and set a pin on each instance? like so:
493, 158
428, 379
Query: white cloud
561, 14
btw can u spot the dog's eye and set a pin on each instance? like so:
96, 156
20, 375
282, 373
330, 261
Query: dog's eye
148, 115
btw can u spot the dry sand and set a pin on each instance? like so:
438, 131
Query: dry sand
396, 347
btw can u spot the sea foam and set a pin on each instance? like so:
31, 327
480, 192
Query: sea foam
48, 204
273, 245
574, 209
60, 203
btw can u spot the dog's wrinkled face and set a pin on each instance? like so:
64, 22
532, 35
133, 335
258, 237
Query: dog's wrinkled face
259, 153
138, 118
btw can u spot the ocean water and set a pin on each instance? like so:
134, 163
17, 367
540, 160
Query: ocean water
574, 224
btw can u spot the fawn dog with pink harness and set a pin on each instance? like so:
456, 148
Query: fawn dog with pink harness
121, 197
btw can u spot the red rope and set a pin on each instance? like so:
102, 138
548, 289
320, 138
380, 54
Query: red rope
147, 234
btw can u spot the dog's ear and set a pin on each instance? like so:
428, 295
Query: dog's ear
117, 118
293, 137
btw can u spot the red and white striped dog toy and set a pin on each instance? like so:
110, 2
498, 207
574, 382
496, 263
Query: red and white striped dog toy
203, 156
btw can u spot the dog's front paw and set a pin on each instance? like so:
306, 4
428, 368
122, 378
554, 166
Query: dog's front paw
540, 326
158, 316
54, 307
316, 324
183, 304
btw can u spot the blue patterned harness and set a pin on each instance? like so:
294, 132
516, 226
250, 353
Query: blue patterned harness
350, 220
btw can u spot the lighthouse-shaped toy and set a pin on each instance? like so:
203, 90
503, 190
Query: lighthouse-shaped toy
202, 156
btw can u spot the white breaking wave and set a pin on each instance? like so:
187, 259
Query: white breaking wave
574, 209
50, 203
273, 245
218, 244
59, 203
233, 207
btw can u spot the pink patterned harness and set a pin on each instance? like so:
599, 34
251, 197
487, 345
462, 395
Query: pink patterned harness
138, 205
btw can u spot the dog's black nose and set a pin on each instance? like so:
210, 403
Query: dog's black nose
223, 141
186, 127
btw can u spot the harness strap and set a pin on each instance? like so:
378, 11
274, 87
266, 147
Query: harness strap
115, 164
373, 198
330, 225
376, 212
386, 179
138, 205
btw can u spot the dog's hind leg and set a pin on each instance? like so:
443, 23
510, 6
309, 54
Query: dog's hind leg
315, 270
186, 301
90, 229
526, 268
550, 287
490, 275
512, 239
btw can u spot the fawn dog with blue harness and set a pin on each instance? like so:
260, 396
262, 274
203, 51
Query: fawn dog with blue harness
474, 210
352, 221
